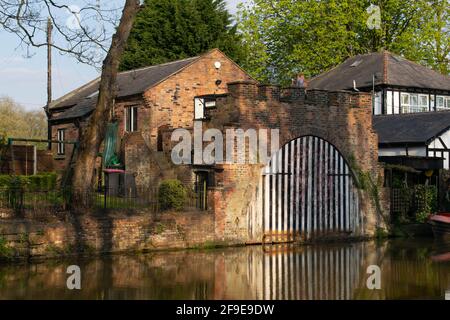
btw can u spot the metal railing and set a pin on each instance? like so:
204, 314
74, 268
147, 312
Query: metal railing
20, 199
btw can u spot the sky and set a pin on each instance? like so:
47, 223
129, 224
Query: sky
24, 78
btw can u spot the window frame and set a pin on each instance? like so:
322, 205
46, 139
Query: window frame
131, 118
60, 136
206, 102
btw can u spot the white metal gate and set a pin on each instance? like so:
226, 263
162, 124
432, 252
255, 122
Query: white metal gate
308, 192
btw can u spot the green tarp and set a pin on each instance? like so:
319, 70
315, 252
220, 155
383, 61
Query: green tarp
110, 158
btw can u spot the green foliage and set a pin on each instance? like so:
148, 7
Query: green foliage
426, 198
167, 30
6, 252
171, 195
364, 181
285, 37
45, 181
17, 122
381, 233
160, 228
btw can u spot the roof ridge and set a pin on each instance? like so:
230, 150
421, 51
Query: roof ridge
415, 63
159, 65
69, 94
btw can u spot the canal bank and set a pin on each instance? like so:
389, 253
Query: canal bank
101, 233
119, 231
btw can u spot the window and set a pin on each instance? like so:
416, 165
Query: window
61, 146
412, 102
423, 103
201, 105
396, 102
405, 103
389, 105
131, 119
442, 102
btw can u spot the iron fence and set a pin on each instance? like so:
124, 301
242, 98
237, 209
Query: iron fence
19, 199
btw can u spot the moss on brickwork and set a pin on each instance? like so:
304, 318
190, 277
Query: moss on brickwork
160, 228
367, 183
69, 250
6, 252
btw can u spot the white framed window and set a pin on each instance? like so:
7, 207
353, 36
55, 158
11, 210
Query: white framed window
131, 118
60, 137
377, 103
201, 104
199, 112
423, 103
405, 102
396, 102
389, 104
440, 102
413, 102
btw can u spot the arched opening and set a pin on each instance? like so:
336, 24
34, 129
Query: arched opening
308, 191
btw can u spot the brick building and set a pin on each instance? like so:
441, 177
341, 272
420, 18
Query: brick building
149, 101
310, 188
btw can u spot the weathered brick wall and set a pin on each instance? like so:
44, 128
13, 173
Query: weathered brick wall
108, 233
342, 118
61, 162
171, 103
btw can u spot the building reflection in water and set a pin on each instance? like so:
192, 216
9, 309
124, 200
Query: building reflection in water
409, 269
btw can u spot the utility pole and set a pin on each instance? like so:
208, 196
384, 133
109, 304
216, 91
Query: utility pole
49, 79
49, 61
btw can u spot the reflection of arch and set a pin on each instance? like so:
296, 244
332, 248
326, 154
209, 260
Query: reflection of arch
307, 272
308, 191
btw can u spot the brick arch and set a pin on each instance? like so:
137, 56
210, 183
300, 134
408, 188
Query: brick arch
308, 191
344, 119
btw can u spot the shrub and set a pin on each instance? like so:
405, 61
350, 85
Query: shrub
44, 181
5, 251
426, 198
171, 195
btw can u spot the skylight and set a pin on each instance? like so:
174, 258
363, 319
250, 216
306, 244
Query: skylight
356, 63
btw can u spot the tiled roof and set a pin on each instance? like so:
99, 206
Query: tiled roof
414, 128
82, 101
388, 68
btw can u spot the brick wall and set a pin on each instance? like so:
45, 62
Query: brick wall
107, 234
61, 162
342, 118
171, 103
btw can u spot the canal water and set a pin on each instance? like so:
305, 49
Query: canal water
409, 269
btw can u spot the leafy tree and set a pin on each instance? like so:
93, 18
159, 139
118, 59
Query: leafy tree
17, 122
167, 30
286, 36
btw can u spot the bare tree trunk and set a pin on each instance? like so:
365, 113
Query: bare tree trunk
93, 135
